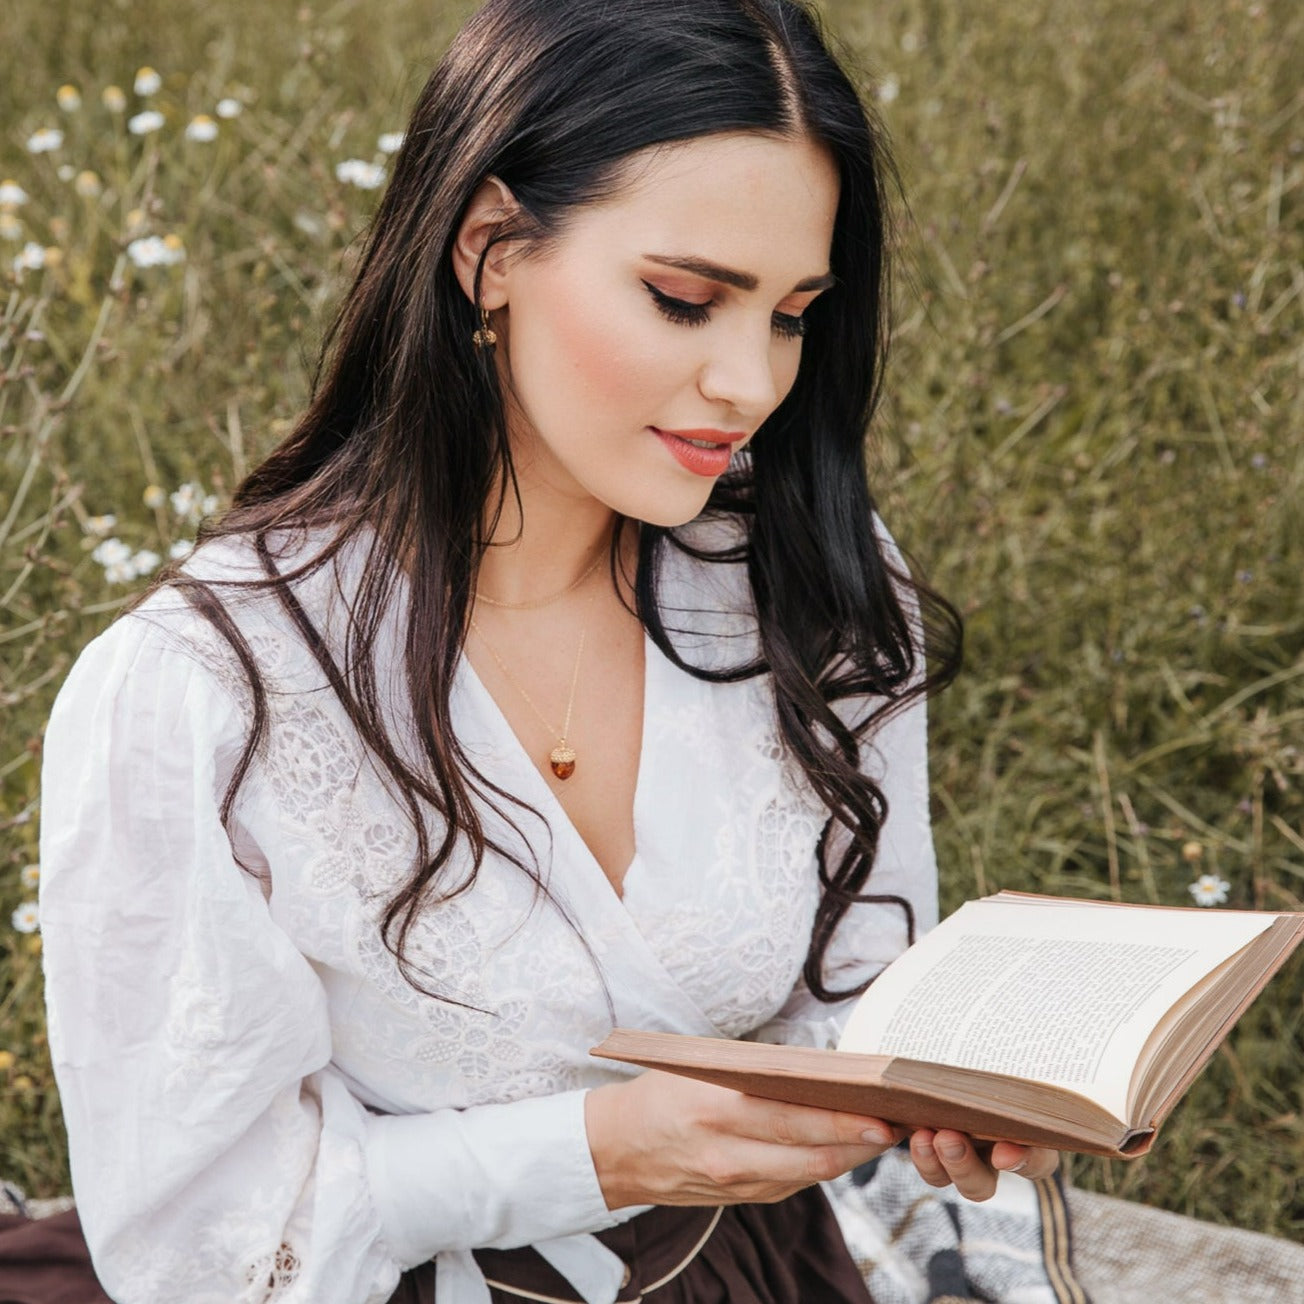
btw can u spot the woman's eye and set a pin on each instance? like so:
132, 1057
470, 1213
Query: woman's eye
679, 311
788, 326
682, 312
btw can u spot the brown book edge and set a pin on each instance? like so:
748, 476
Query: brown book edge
860, 1086
1292, 926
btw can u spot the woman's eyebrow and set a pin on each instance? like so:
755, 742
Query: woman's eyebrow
728, 276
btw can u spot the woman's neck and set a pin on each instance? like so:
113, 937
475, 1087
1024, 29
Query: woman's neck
547, 543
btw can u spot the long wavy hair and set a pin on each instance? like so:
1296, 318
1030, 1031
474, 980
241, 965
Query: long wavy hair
405, 445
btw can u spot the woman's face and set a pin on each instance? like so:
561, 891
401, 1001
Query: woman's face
647, 344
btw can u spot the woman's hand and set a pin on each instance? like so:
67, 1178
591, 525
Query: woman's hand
664, 1139
945, 1157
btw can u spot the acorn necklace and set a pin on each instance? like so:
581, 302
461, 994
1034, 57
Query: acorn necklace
562, 758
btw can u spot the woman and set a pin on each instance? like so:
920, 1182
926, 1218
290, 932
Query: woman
551, 675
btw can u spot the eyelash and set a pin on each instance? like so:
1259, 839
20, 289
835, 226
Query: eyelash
683, 313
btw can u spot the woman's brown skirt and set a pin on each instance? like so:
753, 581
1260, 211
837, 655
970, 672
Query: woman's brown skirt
787, 1253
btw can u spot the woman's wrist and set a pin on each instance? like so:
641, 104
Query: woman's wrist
607, 1133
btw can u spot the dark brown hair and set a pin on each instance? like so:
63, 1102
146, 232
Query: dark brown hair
405, 441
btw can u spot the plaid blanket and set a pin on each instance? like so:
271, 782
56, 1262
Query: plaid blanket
918, 1244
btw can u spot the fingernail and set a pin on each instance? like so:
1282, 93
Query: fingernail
924, 1149
1019, 1167
874, 1136
952, 1149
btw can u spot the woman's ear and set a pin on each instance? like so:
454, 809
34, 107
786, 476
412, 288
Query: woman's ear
490, 206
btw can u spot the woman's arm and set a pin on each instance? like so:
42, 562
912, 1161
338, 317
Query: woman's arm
213, 1146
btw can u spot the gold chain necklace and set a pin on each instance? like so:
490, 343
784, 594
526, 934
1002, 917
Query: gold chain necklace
538, 602
562, 758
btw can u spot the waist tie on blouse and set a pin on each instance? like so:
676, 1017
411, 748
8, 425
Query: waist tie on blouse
595, 1272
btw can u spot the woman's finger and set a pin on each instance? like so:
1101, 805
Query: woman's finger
801, 1125
948, 1158
1032, 1162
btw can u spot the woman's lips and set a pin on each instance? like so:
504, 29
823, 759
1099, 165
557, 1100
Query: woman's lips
704, 452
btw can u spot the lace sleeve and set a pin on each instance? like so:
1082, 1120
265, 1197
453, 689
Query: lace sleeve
216, 1154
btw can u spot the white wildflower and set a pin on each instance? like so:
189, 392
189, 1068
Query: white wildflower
358, 172
66, 172
44, 140
154, 496
115, 100
12, 194
100, 526
27, 918
141, 124
888, 90
202, 128
32, 259
68, 98
156, 251
147, 82
1209, 890
31, 876
10, 227
229, 108
181, 548
112, 552
390, 142
87, 184
145, 561
185, 501
210, 505
120, 572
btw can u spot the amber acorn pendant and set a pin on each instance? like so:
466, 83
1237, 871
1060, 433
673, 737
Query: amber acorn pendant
562, 760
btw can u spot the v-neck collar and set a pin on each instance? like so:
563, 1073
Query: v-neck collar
542, 797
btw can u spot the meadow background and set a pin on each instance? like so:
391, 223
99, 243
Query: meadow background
1094, 440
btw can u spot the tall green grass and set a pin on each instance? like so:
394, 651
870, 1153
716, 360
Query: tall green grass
1093, 439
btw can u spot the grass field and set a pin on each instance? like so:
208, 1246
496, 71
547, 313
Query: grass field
1094, 440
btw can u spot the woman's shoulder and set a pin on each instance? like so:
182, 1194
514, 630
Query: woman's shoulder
219, 606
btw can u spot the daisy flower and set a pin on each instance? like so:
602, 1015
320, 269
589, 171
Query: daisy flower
1209, 890
100, 526
10, 227
390, 142
229, 108
87, 184
26, 918
32, 258
11, 194
147, 82
141, 124
888, 90
112, 552
68, 98
154, 496
181, 548
44, 140
114, 98
156, 251
185, 501
201, 128
31, 876
145, 562
358, 172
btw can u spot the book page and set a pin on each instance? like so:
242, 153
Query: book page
1059, 994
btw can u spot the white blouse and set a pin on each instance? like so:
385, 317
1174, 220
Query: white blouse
259, 1106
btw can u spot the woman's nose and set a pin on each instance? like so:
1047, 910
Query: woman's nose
740, 372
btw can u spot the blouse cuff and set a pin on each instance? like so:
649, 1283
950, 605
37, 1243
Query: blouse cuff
493, 1176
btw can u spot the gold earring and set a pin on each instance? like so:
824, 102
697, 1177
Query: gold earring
486, 337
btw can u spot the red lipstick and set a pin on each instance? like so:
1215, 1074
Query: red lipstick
704, 452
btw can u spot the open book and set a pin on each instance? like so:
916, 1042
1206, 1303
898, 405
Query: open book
1071, 1024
